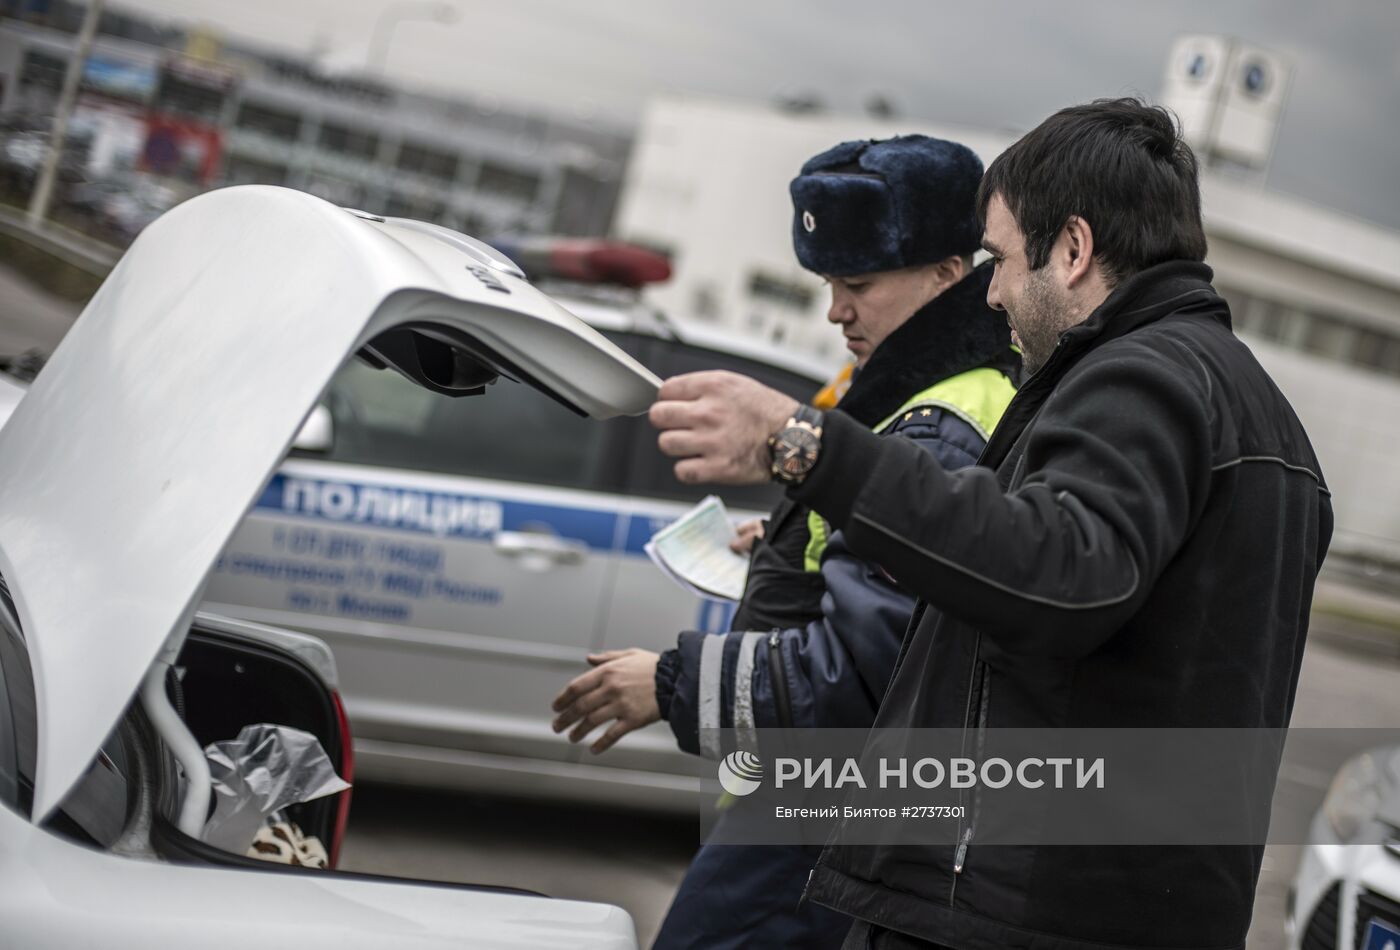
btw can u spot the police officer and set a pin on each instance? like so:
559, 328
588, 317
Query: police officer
891, 225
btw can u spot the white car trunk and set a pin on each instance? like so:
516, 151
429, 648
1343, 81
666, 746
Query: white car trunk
135, 454
166, 408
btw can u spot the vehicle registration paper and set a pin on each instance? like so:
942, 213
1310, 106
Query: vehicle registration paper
694, 551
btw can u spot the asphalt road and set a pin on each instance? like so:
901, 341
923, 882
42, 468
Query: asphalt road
636, 861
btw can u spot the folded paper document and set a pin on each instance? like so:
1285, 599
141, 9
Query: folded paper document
694, 552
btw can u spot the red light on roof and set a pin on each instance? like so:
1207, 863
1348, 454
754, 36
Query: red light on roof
589, 261
611, 262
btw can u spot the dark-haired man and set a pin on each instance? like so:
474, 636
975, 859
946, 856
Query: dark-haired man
1137, 549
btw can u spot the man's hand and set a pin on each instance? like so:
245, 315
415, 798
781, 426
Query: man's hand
718, 423
744, 538
621, 686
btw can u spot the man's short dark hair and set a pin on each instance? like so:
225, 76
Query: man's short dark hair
1119, 164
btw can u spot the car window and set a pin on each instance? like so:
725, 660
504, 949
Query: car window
515, 433
510, 432
16, 711
651, 472
19, 712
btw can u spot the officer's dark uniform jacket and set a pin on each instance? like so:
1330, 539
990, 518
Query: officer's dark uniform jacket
1138, 549
816, 635
818, 629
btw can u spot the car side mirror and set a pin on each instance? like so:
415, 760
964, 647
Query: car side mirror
317, 432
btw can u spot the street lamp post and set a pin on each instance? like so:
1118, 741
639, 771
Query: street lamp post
394, 14
63, 112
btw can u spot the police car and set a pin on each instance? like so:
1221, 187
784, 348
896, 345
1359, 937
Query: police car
461, 557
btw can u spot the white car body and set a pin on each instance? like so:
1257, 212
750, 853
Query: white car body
1344, 886
57, 894
130, 462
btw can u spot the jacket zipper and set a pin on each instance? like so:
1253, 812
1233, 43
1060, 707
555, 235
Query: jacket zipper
965, 834
778, 674
1022, 394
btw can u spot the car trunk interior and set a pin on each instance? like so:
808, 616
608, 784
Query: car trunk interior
229, 682
126, 800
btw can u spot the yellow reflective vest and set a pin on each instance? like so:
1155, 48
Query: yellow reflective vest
977, 397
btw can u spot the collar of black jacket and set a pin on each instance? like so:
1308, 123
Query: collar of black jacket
1146, 297
952, 333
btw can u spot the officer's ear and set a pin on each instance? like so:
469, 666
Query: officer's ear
948, 272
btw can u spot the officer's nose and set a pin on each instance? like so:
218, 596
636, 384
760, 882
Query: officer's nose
840, 310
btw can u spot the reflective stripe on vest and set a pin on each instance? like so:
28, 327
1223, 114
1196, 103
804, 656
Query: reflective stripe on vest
977, 397
818, 531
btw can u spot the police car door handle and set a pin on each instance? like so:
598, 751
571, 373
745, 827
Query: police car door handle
539, 551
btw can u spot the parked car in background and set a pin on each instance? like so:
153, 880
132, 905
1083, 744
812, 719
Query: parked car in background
126, 467
460, 589
126, 214
21, 157
22, 154
1346, 894
87, 197
121, 206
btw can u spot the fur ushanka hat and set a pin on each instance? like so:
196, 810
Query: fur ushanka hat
870, 206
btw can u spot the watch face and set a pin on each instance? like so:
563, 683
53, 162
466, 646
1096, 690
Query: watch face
797, 451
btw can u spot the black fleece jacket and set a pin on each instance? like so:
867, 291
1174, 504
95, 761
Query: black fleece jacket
1137, 549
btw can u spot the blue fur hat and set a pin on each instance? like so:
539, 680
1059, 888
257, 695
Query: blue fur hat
870, 206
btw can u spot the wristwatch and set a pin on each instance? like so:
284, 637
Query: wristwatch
794, 447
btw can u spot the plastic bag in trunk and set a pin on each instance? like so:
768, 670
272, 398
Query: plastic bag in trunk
266, 769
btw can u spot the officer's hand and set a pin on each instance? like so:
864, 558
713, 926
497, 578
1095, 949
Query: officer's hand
746, 535
718, 423
621, 686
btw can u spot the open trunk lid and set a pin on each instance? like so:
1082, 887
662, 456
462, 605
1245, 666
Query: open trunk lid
163, 413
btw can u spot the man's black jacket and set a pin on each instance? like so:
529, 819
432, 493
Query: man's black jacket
1137, 549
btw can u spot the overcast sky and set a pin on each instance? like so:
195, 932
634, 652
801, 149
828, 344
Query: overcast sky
992, 63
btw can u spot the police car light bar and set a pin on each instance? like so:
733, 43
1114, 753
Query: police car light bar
586, 260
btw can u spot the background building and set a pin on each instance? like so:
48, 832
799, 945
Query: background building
198, 112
